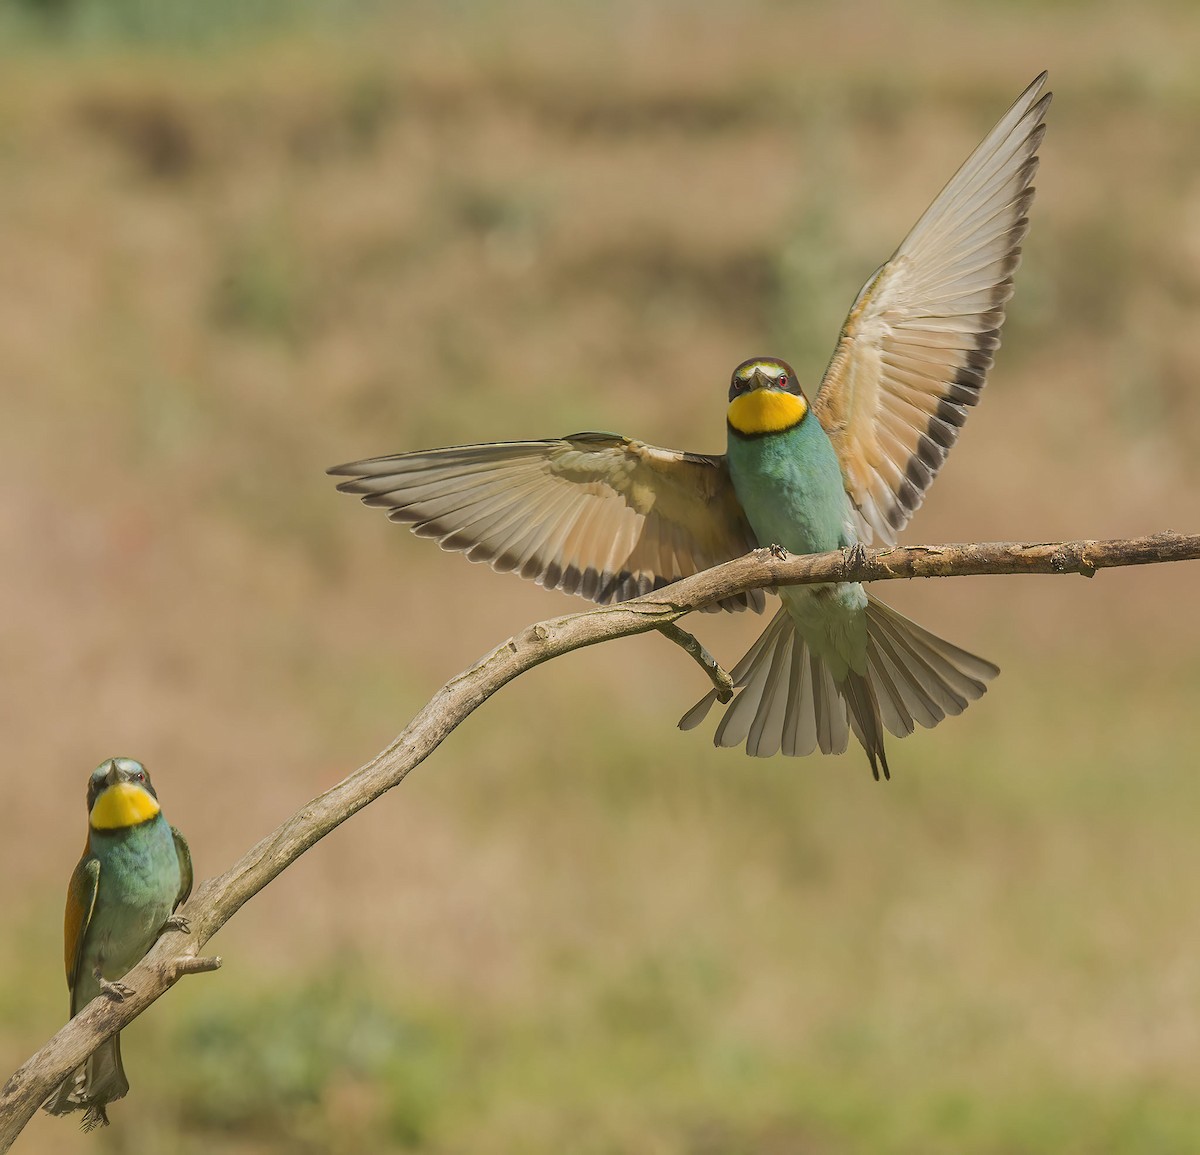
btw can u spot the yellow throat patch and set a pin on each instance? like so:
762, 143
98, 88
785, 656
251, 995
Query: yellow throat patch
766, 411
125, 804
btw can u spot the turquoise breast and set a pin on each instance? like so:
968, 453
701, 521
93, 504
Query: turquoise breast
139, 883
790, 485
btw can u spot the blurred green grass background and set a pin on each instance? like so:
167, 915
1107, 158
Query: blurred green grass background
243, 242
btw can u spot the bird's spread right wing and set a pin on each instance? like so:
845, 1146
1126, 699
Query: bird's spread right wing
593, 514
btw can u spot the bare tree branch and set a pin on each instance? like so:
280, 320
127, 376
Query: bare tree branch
722, 682
218, 899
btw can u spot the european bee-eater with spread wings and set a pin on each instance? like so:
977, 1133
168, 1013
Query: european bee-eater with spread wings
609, 518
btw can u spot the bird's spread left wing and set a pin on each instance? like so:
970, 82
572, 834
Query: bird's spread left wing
595, 514
920, 338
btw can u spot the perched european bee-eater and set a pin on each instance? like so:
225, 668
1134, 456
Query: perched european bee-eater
135, 870
610, 518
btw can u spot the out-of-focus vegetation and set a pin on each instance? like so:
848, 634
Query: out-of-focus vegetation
245, 241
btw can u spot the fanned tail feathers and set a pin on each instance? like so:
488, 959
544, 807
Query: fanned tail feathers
790, 702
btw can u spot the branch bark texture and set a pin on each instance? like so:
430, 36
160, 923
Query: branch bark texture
216, 901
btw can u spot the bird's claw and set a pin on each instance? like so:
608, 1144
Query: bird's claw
855, 555
118, 992
179, 923
777, 551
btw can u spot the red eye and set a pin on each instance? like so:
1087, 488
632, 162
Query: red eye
140, 776
782, 379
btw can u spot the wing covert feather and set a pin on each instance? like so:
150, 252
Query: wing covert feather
81, 901
186, 875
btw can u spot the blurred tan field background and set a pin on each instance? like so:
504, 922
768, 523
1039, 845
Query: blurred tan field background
243, 242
